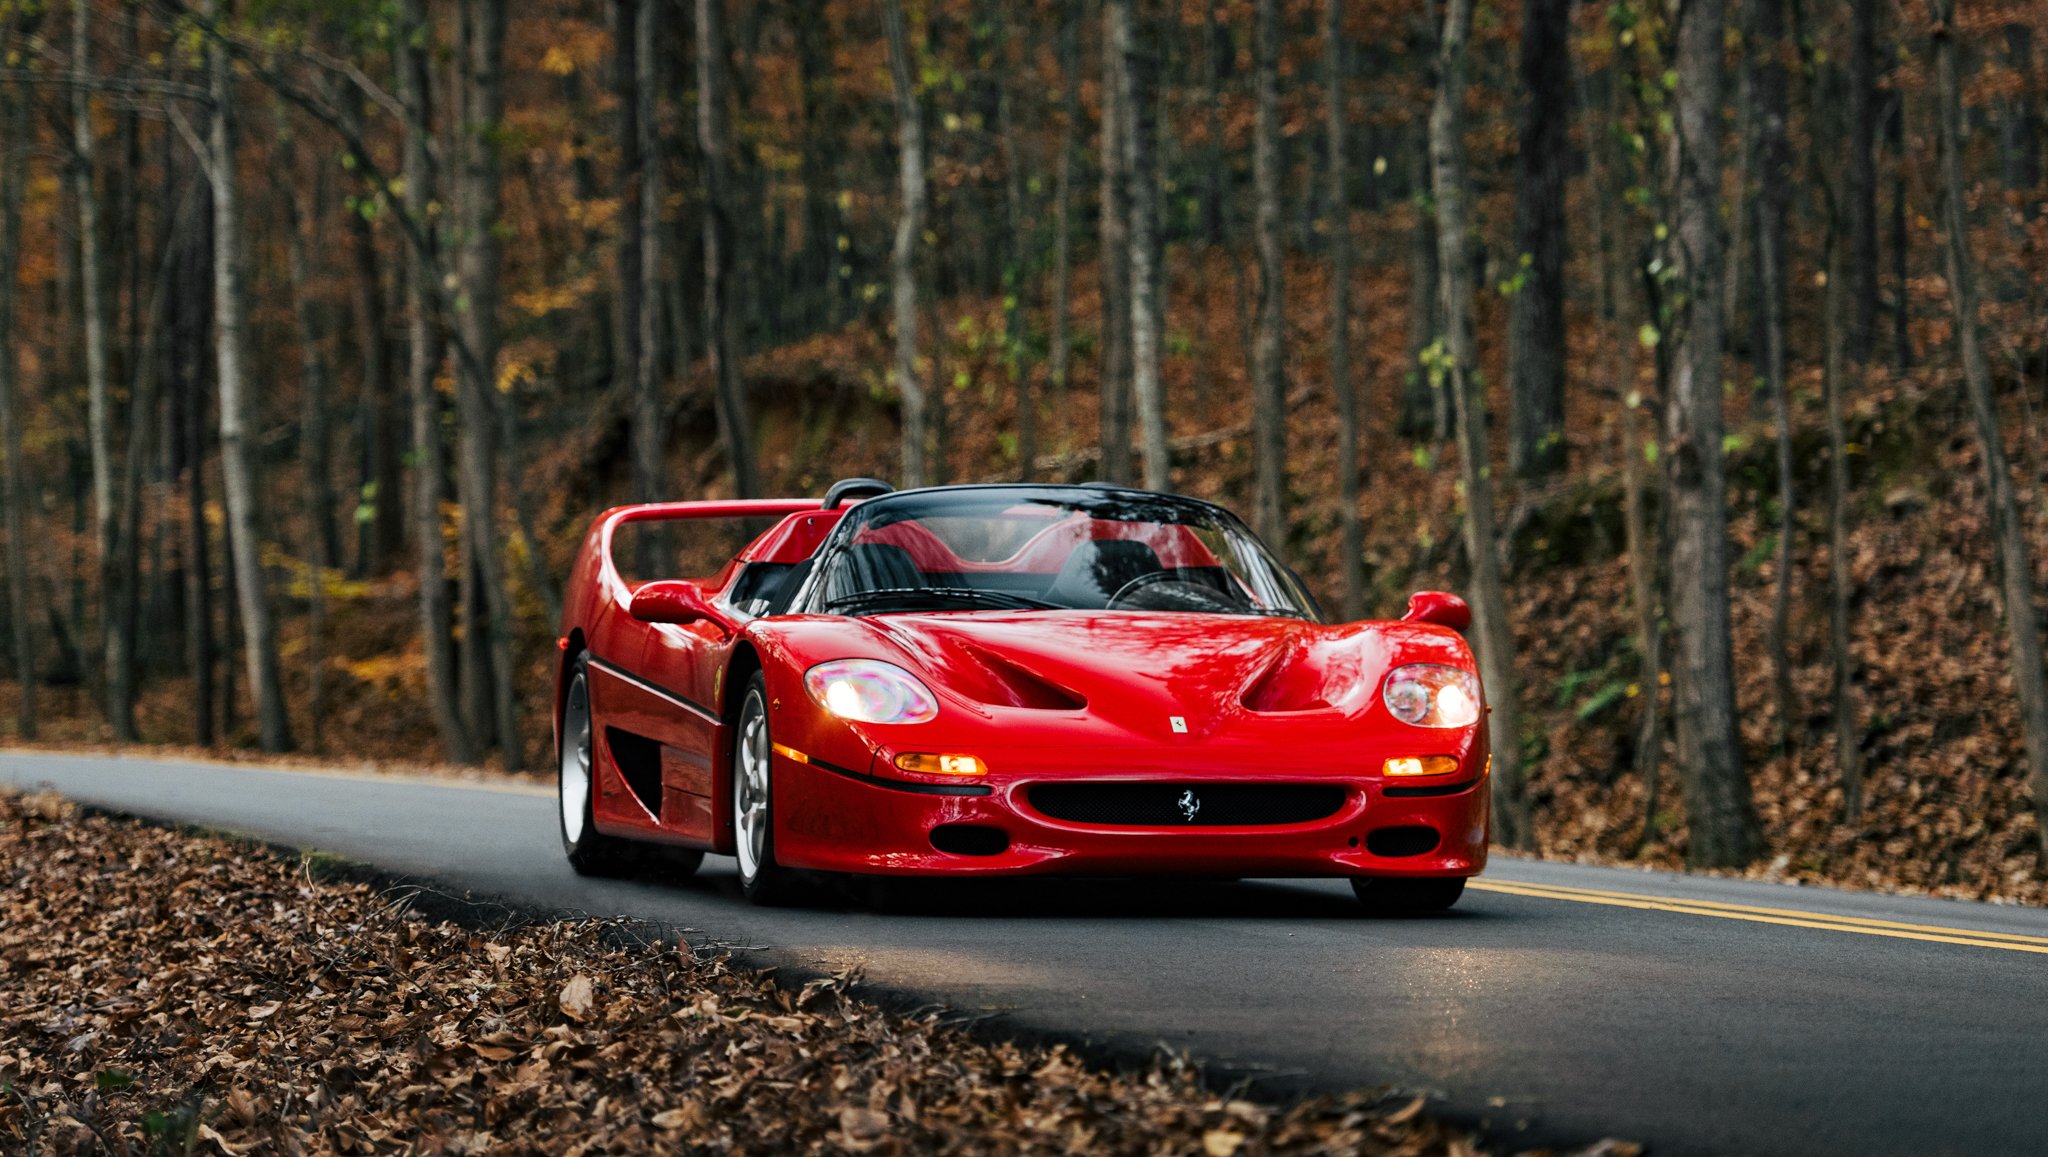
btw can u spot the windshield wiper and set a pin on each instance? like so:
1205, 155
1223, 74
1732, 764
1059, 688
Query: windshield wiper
956, 594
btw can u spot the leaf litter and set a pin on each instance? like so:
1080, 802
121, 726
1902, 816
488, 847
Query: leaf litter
163, 992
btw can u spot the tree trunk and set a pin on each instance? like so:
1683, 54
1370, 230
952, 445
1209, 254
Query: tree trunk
477, 265
1134, 107
1724, 830
1352, 526
721, 319
632, 170
99, 390
1016, 341
1536, 361
2016, 568
321, 543
1848, 743
1115, 415
650, 429
14, 115
1862, 173
1492, 631
903, 254
1642, 574
190, 319
1062, 351
424, 361
1269, 370
237, 454
1771, 164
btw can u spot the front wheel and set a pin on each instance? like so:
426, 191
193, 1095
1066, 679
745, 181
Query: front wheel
1396, 896
762, 880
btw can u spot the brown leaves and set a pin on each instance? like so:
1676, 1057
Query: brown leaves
252, 1011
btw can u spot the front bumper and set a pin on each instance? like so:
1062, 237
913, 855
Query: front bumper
838, 821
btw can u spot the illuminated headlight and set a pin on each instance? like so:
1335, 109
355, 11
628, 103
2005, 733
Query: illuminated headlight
1431, 695
870, 691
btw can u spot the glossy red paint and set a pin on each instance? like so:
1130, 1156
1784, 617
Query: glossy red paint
1439, 607
1041, 697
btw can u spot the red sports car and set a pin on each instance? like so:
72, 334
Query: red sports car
1007, 680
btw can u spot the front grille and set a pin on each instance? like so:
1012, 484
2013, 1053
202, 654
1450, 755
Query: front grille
1168, 805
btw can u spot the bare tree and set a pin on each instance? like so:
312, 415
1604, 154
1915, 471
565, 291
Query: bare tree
1862, 174
1115, 418
1536, 363
1352, 526
1848, 745
1062, 351
17, 138
478, 260
1724, 830
84, 176
424, 346
313, 426
650, 429
1770, 166
1269, 369
1134, 105
903, 256
1460, 367
2015, 566
237, 455
721, 317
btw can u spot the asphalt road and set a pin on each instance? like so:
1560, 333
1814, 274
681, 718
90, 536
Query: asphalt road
1698, 1015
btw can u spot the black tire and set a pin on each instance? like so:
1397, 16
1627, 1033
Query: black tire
1397, 896
762, 880
590, 852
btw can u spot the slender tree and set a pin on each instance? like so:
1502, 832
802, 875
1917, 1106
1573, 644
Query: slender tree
1115, 416
237, 455
721, 308
478, 262
1061, 354
903, 255
84, 174
1352, 526
2023, 634
1770, 164
650, 428
1862, 175
1460, 368
414, 45
1536, 374
1269, 370
1724, 831
1135, 106
15, 142
1848, 743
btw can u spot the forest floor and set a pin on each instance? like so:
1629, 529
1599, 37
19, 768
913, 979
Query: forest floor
1948, 810
174, 992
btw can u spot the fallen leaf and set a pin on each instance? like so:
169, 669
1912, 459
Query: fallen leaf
577, 997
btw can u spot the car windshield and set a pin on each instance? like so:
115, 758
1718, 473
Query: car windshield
1049, 548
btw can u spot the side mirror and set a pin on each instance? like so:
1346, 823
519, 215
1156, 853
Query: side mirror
1439, 607
670, 601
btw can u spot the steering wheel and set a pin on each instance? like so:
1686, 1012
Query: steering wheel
1193, 595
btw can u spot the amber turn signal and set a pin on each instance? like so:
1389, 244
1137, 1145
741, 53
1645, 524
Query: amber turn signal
1426, 765
925, 763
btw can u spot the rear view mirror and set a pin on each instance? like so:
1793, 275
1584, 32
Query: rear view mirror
1439, 607
670, 601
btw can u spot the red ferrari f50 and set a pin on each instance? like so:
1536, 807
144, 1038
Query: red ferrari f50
987, 680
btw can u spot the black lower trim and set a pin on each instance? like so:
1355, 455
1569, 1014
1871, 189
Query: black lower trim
899, 784
688, 704
1419, 791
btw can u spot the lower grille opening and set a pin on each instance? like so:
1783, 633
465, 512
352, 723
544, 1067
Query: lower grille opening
970, 840
1403, 841
1179, 805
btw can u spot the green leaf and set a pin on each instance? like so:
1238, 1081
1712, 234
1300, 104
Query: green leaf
111, 1080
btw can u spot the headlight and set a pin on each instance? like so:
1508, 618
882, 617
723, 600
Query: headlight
870, 691
1430, 695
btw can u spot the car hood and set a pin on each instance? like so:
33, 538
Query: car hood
1143, 671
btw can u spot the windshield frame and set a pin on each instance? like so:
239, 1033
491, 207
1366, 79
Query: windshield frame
1270, 580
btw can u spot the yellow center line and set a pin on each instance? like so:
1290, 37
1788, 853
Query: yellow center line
1780, 916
